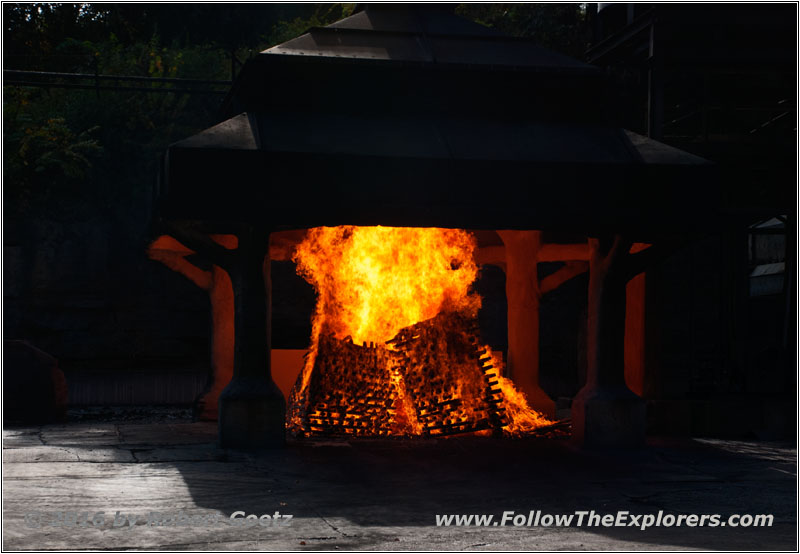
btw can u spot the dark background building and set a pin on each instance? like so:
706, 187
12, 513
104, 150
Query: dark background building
718, 81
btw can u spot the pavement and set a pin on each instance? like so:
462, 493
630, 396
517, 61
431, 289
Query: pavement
164, 484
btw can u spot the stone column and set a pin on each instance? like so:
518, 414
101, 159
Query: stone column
522, 294
605, 412
251, 408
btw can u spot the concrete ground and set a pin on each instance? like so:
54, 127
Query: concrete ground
377, 494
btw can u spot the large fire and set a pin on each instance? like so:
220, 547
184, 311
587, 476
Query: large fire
404, 293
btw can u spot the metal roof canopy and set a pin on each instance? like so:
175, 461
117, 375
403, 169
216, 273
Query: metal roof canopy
408, 115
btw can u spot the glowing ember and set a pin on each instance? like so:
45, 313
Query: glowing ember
521, 417
387, 287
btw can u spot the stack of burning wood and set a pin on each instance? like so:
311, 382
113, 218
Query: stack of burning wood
351, 390
433, 378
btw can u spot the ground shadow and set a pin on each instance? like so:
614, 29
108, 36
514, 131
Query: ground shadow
375, 483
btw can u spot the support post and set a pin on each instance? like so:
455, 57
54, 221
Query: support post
252, 408
522, 294
222, 343
217, 284
635, 376
606, 413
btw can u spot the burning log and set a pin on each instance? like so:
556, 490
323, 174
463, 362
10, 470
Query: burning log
351, 390
434, 369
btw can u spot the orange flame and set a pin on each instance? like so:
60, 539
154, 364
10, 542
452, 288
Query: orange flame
371, 282
521, 417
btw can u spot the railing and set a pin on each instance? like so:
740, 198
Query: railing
98, 82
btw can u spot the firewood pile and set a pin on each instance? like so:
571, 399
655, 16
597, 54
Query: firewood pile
351, 390
433, 378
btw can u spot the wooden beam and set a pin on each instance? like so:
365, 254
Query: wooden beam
564, 274
200, 243
172, 254
491, 255
553, 252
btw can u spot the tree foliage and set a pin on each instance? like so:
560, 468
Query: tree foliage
102, 147
559, 27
